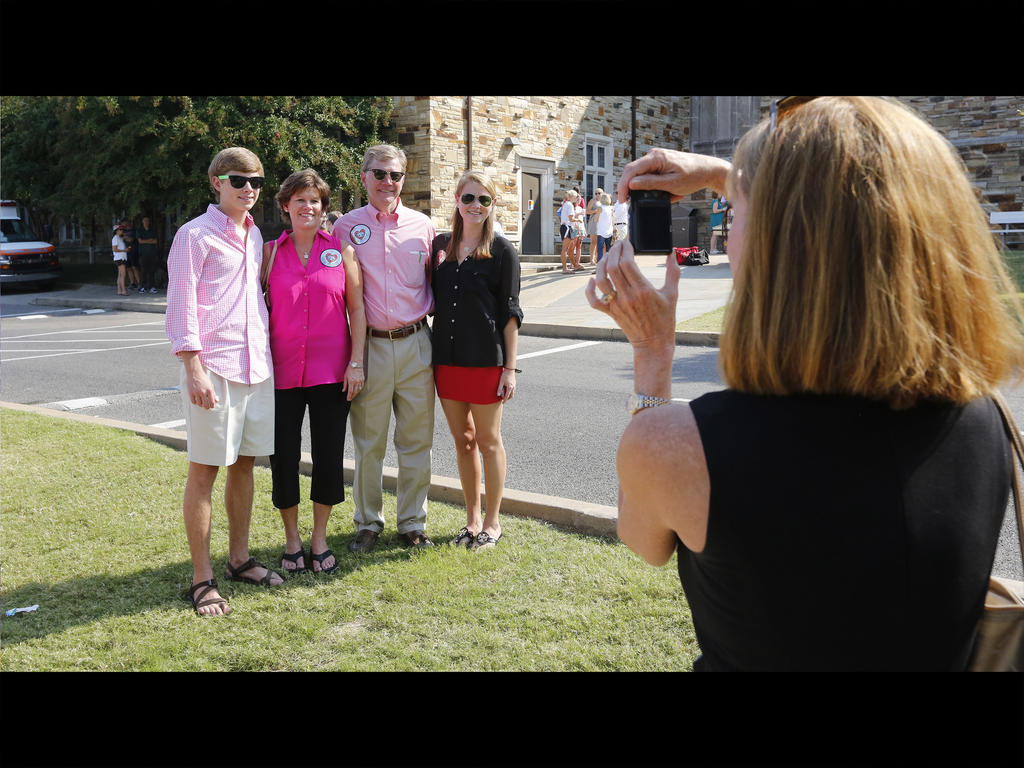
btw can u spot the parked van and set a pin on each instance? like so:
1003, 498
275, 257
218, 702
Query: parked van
23, 256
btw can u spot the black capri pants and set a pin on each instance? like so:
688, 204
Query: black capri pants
328, 415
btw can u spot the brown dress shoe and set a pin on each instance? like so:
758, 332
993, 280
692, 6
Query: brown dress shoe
364, 541
416, 539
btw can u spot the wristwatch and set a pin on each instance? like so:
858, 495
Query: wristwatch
637, 403
354, 364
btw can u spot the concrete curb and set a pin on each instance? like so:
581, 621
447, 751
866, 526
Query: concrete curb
550, 330
126, 303
576, 516
589, 333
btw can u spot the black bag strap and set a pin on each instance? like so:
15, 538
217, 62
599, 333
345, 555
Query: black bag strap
1016, 457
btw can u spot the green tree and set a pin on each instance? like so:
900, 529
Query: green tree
99, 156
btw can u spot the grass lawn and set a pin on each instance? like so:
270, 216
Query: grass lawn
709, 322
92, 533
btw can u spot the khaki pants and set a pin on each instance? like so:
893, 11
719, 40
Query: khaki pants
399, 377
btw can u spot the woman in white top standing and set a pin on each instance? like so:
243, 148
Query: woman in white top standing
565, 214
120, 251
604, 225
580, 224
594, 212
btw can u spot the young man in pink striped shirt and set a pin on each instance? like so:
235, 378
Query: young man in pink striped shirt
218, 326
392, 244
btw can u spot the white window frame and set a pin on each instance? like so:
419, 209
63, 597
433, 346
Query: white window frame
591, 171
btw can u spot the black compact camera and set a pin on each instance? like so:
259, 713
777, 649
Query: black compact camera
650, 221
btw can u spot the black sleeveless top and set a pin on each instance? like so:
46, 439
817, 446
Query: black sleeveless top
843, 535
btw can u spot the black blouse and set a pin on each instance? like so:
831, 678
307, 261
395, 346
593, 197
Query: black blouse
473, 302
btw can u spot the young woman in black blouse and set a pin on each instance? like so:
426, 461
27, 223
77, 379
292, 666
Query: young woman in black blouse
475, 333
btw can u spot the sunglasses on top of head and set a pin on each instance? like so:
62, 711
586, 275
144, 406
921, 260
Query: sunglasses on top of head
239, 182
785, 105
379, 175
485, 200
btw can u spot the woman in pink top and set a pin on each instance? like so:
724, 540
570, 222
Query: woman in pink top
317, 335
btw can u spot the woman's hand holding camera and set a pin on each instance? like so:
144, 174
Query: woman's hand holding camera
678, 173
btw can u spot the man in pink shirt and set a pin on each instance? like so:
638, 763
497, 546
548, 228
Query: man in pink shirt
392, 244
217, 322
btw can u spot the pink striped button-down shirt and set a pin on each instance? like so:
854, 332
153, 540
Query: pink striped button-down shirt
214, 303
394, 259
309, 336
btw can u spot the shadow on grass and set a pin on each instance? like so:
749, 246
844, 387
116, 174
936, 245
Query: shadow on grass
78, 601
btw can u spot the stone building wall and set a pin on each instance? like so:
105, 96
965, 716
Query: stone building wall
986, 130
433, 133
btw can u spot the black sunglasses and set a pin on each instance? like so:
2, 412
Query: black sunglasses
485, 200
785, 105
238, 182
379, 175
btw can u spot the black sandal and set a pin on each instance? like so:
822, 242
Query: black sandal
463, 538
320, 559
198, 602
293, 558
484, 540
233, 573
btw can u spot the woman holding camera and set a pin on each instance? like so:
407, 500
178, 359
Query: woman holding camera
475, 336
859, 351
317, 336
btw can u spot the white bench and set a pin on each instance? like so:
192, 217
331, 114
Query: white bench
1006, 218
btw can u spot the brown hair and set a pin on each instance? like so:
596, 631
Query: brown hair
298, 181
483, 248
234, 159
867, 267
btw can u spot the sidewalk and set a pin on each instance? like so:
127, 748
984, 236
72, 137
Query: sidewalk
554, 305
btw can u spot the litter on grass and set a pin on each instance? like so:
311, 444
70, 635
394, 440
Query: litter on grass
20, 610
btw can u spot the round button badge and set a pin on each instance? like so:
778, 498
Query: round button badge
331, 257
360, 233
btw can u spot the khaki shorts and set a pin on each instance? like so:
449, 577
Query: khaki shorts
241, 424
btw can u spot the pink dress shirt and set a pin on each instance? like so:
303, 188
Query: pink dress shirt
214, 303
309, 336
394, 259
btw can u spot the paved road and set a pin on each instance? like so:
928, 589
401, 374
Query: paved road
560, 431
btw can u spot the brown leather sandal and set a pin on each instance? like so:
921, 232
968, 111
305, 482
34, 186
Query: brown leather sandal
198, 602
234, 574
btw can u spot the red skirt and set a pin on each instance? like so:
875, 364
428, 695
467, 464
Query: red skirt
468, 385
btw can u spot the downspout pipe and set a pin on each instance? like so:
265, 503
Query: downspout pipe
469, 133
632, 120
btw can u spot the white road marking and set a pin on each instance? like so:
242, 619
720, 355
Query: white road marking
84, 351
169, 424
82, 402
82, 330
557, 349
31, 317
93, 311
35, 315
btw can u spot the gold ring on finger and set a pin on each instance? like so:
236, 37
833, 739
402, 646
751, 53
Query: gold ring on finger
609, 297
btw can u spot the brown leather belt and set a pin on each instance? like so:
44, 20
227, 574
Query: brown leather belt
398, 333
